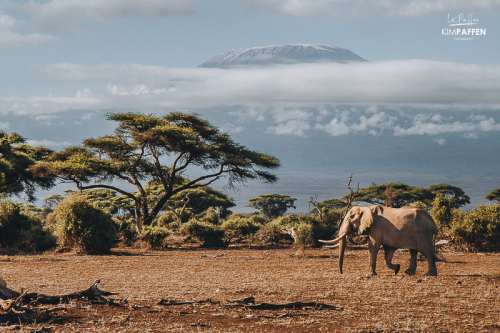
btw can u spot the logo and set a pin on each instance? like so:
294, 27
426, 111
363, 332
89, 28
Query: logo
463, 27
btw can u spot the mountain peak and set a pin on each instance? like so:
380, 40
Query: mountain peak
281, 54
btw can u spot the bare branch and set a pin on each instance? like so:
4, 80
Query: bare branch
352, 196
313, 202
109, 187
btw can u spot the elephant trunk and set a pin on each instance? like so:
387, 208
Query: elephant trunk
342, 245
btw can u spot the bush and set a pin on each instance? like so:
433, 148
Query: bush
208, 234
23, 230
258, 219
304, 235
155, 236
308, 228
167, 218
210, 216
127, 230
84, 227
332, 216
240, 224
479, 229
441, 212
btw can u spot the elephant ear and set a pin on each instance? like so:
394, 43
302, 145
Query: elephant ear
366, 220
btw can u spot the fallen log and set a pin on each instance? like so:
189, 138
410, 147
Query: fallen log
293, 305
91, 293
6, 293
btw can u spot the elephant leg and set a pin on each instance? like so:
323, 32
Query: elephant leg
389, 253
413, 263
431, 263
373, 248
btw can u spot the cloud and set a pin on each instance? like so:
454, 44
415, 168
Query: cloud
49, 104
11, 39
281, 115
475, 124
374, 124
50, 14
47, 143
439, 141
421, 128
231, 128
4, 126
7, 22
378, 8
291, 127
249, 114
374, 84
471, 136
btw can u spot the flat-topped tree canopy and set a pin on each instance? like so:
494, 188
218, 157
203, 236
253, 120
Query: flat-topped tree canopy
16, 159
150, 148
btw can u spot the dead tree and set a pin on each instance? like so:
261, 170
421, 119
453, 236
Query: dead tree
185, 201
352, 196
313, 202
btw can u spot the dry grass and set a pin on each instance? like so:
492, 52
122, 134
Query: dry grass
463, 298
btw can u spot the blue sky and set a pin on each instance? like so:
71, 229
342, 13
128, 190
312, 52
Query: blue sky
64, 63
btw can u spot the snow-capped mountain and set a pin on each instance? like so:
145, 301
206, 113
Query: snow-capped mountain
282, 54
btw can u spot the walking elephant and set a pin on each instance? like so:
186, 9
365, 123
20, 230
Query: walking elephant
393, 228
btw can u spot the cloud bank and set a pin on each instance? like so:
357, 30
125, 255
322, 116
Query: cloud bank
415, 83
52, 13
299, 100
378, 8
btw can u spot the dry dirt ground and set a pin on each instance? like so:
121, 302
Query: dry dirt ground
465, 297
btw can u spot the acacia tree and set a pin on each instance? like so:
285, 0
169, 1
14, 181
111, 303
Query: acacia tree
455, 195
272, 204
16, 158
398, 195
493, 195
200, 198
391, 194
149, 148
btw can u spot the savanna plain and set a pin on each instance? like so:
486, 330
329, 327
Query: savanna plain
464, 297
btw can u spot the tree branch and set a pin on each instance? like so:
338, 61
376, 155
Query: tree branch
109, 187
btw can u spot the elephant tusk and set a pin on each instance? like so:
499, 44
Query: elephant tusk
333, 246
332, 241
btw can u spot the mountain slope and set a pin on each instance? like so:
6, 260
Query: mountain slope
281, 54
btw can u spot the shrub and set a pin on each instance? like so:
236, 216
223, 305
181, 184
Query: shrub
23, 230
241, 224
155, 236
167, 218
421, 205
309, 227
127, 230
479, 229
332, 216
208, 234
304, 235
84, 227
259, 219
210, 216
441, 212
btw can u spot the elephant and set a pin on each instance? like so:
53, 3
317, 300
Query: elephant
394, 228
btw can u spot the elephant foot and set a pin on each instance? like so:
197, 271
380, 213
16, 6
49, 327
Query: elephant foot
396, 270
410, 272
431, 274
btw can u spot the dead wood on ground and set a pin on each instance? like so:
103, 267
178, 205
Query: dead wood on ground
21, 308
293, 305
